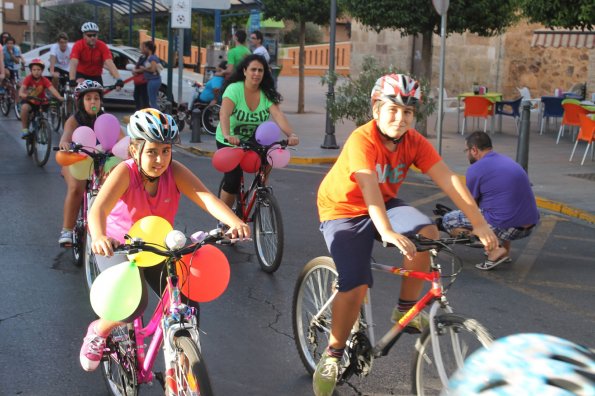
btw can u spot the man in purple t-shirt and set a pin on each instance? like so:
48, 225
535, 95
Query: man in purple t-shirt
503, 193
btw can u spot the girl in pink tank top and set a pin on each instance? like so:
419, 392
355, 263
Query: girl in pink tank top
149, 183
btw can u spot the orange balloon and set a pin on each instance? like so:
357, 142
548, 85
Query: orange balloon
65, 158
251, 162
204, 274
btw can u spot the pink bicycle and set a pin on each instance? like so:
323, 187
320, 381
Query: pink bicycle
128, 362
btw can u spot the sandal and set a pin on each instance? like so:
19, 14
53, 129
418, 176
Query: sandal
489, 264
508, 259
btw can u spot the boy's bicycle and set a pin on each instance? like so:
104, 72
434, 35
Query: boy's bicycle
440, 349
127, 361
39, 141
258, 205
11, 96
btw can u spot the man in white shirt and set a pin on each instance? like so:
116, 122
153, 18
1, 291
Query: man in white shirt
259, 49
60, 59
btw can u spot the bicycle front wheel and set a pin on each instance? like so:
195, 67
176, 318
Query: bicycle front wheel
268, 231
118, 367
79, 238
67, 108
55, 118
210, 118
17, 109
43, 143
188, 374
5, 104
311, 310
457, 338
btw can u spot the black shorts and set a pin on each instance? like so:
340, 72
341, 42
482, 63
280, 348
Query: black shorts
99, 79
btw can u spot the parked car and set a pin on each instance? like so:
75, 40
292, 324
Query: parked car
124, 56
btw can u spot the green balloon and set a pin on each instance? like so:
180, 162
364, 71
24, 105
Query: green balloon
116, 292
110, 163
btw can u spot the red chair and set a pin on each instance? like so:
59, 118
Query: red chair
479, 107
572, 109
586, 134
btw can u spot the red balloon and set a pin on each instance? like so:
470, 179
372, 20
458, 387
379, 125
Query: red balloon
65, 158
251, 162
203, 275
227, 158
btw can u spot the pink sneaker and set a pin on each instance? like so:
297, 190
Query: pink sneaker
92, 349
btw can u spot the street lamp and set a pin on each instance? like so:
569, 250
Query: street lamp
330, 141
441, 7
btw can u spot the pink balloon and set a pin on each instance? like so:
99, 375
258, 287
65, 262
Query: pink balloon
278, 157
251, 162
86, 137
267, 133
107, 129
120, 149
227, 158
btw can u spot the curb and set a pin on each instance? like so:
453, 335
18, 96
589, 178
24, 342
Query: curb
542, 203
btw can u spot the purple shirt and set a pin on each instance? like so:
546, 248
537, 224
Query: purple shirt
503, 192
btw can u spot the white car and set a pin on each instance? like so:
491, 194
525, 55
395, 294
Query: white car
124, 57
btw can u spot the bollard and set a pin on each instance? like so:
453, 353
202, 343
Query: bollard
195, 125
522, 150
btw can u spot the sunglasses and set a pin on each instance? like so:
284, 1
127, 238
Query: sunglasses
91, 34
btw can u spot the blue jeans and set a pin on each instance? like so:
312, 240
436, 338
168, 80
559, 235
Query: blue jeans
153, 86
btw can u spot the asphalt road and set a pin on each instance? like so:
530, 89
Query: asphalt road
247, 341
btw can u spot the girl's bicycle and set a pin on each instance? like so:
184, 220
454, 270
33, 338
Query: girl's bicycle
127, 361
258, 205
440, 349
39, 141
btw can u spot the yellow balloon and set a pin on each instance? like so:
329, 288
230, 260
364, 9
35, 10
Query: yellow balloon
151, 229
82, 169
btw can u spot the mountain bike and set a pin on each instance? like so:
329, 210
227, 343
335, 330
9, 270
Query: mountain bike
56, 112
439, 350
127, 362
68, 106
258, 205
39, 141
11, 95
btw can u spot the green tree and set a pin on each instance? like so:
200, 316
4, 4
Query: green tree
560, 13
299, 11
412, 17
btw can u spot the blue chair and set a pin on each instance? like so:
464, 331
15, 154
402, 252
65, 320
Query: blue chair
510, 108
551, 107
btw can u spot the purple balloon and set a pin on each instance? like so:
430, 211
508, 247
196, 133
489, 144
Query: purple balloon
107, 129
267, 133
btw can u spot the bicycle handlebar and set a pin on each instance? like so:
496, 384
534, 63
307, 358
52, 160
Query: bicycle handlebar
423, 243
78, 148
250, 145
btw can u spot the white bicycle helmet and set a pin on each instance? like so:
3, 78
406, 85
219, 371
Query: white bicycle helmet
89, 27
526, 364
153, 126
88, 86
397, 88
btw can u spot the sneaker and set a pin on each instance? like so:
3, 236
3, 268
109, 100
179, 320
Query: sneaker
417, 325
325, 376
92, 349
65, 238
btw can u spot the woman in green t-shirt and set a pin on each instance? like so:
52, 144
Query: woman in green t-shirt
249, 99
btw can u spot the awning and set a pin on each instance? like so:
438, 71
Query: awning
563, 38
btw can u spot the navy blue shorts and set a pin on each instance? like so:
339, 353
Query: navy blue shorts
350, 241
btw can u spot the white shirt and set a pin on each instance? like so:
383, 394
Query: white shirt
262, 51
62, 58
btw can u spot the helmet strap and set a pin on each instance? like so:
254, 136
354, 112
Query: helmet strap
389, 138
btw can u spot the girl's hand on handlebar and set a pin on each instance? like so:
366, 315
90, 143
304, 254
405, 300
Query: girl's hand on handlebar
293, 140
104, 246
65, 146
233, 140
240, 230
403, 243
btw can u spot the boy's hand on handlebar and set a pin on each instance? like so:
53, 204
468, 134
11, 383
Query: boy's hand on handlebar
104, 246
403, 243
487, 237
240, 231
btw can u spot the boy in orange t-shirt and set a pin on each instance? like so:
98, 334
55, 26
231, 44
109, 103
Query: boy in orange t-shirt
357, 201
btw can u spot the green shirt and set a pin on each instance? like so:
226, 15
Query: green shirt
237, 54
243, 121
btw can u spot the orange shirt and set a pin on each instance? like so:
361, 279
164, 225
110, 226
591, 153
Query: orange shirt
339, 195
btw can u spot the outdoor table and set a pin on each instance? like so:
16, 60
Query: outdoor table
493, 96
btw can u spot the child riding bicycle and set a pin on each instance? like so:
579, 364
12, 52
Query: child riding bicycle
32, 93
357, 202
149, 183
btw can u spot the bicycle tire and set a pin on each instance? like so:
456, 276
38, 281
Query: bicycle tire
79, 239
67, 109
314, 286
90, 263
43, 143
190, 375
268, 231
17, 109
119, 366
29, 145
469, 333
210, 119
55, 118
5, 104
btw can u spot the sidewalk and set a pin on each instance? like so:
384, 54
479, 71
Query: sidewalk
561, 186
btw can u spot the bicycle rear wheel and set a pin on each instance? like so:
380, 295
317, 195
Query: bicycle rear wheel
79, 238
268, 231
55, 118
457, 338
210, 118
188, 374
17, 108
5, 104
43, 143
118, 366
314, 287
